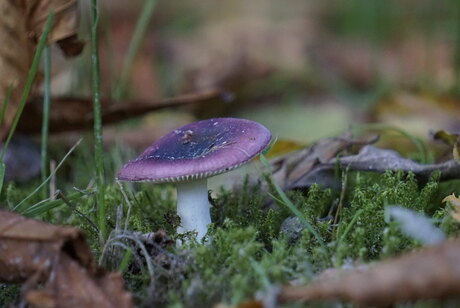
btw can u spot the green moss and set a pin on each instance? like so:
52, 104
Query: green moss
317, 202
249, 208
371, 196
250, 252
235, 265
447, 223
9, 293
153, 209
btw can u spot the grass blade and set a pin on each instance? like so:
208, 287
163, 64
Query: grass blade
138, 35
6, 102
17, 207
350, 225
288, 203
125, 261
25, 93
2, 174
48, 204
45, 122
29, 81
98, 146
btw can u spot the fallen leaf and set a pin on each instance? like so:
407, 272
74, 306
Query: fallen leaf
318, 163
289, 170
451, 140
455, 201
21, 25
378, 160
431, 273
56, 266
16, 52
284, 146
65, 25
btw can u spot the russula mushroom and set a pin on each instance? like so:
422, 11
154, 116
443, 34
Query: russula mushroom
189, 155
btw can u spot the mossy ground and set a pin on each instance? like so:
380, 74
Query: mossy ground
253, 248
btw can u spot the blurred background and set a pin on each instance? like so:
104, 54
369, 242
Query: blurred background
305, 69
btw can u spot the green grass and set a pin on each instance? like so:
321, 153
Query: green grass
25, 93
98, 142
45, 121
134, 45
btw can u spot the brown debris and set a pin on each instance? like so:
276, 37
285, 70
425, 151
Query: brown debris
16, 53
77, 113
289, 170
431, 273
35, 13
373, 159
318, 163
21, 25
58, 260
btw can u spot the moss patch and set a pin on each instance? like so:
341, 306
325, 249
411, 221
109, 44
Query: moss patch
257, 243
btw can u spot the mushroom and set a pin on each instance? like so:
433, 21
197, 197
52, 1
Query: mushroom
189, 155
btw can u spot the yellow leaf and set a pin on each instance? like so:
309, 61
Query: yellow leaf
455, 202
284, 146
452, 199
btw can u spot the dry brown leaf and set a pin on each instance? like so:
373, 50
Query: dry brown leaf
431, 273
56, 266
451, 139
289, 169
304, 168
15, 56
65, 25
77, 113
21, 25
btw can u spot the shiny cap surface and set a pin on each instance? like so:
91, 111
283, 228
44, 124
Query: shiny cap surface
198, 150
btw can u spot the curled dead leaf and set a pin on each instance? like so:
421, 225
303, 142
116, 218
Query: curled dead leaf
21, 25
431, 273
56, 266
373, 159
65, 26
289, 170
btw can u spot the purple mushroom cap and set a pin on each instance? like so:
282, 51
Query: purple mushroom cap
198, 150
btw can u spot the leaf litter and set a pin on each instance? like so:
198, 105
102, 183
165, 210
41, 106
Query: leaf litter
20, 28
55, 265
308, 169
430, 273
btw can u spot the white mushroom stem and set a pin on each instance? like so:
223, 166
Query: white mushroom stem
193, 207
